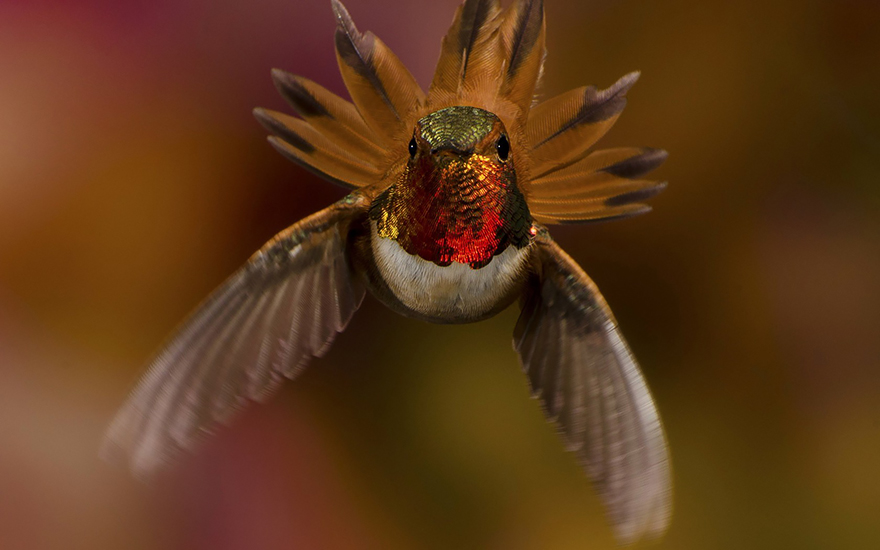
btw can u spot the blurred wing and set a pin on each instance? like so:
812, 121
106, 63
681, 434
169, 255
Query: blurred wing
583, 371
263, 324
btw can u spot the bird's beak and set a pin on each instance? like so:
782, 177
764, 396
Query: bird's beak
451, 152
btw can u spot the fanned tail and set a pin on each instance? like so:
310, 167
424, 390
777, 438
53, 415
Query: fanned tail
352, 144
571, 184
305, 145
381, 87
561, 130
523, 34
606, 184
491, 59
471, 55
329, 114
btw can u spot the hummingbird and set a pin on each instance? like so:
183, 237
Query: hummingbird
451, 193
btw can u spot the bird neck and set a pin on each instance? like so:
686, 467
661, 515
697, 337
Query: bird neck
454, 211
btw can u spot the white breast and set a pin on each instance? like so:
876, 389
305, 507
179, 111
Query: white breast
454, 290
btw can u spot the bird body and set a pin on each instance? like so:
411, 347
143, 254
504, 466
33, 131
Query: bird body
456, 293
450, 238
451, 192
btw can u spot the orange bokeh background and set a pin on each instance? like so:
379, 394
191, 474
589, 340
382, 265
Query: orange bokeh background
133, 179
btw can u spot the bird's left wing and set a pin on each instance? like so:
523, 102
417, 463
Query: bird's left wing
590, 385
262, 325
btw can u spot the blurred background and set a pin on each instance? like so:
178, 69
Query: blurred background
133, 179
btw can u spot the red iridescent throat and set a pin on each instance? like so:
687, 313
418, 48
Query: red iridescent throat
454, 208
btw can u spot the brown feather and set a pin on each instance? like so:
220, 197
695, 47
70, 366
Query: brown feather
470, 55
307, 147
561, 130
601, 188
243, 340
589, 213
590, 386
523, 34
332, 116
623, 161
602, 174
381, 87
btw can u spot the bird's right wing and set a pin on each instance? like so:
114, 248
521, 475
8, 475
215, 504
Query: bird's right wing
262, 325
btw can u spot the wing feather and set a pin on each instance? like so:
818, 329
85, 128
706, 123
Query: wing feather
195, 410
287, 345
263, 323
592, 389
226, 398
552, 367
536, 362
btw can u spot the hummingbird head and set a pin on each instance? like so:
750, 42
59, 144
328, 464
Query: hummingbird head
456, 134
457, 199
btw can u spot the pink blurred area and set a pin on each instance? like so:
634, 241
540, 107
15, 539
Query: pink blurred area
133, 179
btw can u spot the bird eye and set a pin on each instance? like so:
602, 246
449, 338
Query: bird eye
503, 148
413, 147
